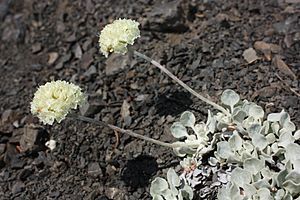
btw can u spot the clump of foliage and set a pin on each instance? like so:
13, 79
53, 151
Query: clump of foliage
261, 153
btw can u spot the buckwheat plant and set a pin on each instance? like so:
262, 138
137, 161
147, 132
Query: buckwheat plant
55, 100
254, 157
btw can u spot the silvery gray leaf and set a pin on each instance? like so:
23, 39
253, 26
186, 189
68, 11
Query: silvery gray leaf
178, 130
249, 190
271, 138
275, 127
173, 180
262, 184
235, 141
253, 165
238, 115
292, 152
267, 173
187, 119
252, 126
279, 194
256, 111
158, 185
275, 117
264, 194
224, 150
285, 122
240, 176
297, 135
259, 141
230, 97
291, 187
285, 138
212, 161
211, 122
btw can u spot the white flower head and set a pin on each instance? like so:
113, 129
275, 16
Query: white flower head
55, 99
116, 36
51, 144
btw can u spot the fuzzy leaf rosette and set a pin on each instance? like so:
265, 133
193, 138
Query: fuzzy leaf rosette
115, 37
54, 100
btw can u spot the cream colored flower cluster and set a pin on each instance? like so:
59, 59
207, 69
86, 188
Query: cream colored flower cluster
55, 99
115, 37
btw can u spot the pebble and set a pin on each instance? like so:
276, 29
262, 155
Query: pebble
94, 170
18, 187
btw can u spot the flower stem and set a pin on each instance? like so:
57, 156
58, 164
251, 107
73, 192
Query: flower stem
129, 132
193, 92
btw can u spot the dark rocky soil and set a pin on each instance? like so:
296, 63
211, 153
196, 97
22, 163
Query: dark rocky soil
202, 41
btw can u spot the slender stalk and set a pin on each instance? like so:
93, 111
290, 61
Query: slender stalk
193, 92
129, 132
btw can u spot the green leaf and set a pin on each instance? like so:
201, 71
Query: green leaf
178, 130
187, 119
230, 97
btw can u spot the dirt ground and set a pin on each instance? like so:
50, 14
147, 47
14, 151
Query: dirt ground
203, 42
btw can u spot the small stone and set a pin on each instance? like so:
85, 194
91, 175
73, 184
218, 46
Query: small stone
36, 48
87, 58
6, 115
33, 136
91, 71
116, 63
24, 174
250, 55
2, 148
283, 67
90, 109
94, 170
18, 187
52, 57
17, 163
78, 51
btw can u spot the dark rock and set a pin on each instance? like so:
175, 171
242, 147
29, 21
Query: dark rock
18, 187
2, 148
16, 136
35, 48
90, 72
17, 163
91, 108
24, 174
167, 16
33, 137
94, 170
116, 63
87, 58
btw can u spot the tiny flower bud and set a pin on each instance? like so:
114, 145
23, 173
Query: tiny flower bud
54, 100
115, 37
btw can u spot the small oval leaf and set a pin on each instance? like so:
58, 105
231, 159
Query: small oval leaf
187, 119
230, 97
178, 130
